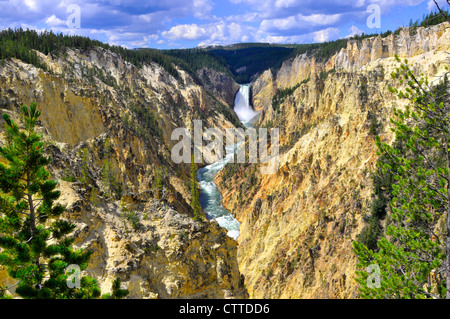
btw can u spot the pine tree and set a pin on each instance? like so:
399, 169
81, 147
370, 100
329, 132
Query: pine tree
83, 154
195, 203
158, 186
412, 258
36, 249
117, 291
108, 179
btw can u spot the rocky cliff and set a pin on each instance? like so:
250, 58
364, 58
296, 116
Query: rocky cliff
298, 224
220, 85
108, 125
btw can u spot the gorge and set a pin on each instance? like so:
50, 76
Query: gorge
107, 122
210, 197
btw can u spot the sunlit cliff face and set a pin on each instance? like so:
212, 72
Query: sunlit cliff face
297, 225
150, 241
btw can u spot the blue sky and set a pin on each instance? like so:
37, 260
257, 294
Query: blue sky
190, 23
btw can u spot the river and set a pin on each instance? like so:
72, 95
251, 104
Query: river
210, 197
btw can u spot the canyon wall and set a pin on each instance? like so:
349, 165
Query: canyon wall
107, 125
219, 84
298, 224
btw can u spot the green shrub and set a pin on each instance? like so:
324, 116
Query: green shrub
370, 234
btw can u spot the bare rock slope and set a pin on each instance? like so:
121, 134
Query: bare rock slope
298, 224
108, 125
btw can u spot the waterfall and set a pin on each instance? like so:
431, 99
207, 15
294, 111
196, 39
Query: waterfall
210, 197
242, 105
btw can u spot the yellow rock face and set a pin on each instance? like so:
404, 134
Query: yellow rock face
298, 224
164, 255
102, 114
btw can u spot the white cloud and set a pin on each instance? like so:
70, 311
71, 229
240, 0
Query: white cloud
387, 5
322, 19
326, 35
53, 21
219, 33
202, 8
284, 3
271, 9
360, 3
245, 17
137, 22
185, 32
32, 4
354, 30
299, 23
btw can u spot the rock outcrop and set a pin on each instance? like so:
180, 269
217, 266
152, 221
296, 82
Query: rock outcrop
107, 126
219, 84
156, 251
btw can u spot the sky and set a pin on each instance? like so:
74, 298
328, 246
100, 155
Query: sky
173, 24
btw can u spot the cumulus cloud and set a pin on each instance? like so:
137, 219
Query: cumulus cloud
354, 30
32, 4
53, 21
325, 35
135, 23
186, 32
299, 23
312, 20
202, 8
131, 21
221, 32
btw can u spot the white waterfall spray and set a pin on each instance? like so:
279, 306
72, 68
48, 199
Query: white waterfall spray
242, 105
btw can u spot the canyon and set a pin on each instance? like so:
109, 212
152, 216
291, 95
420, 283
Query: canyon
290, 233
